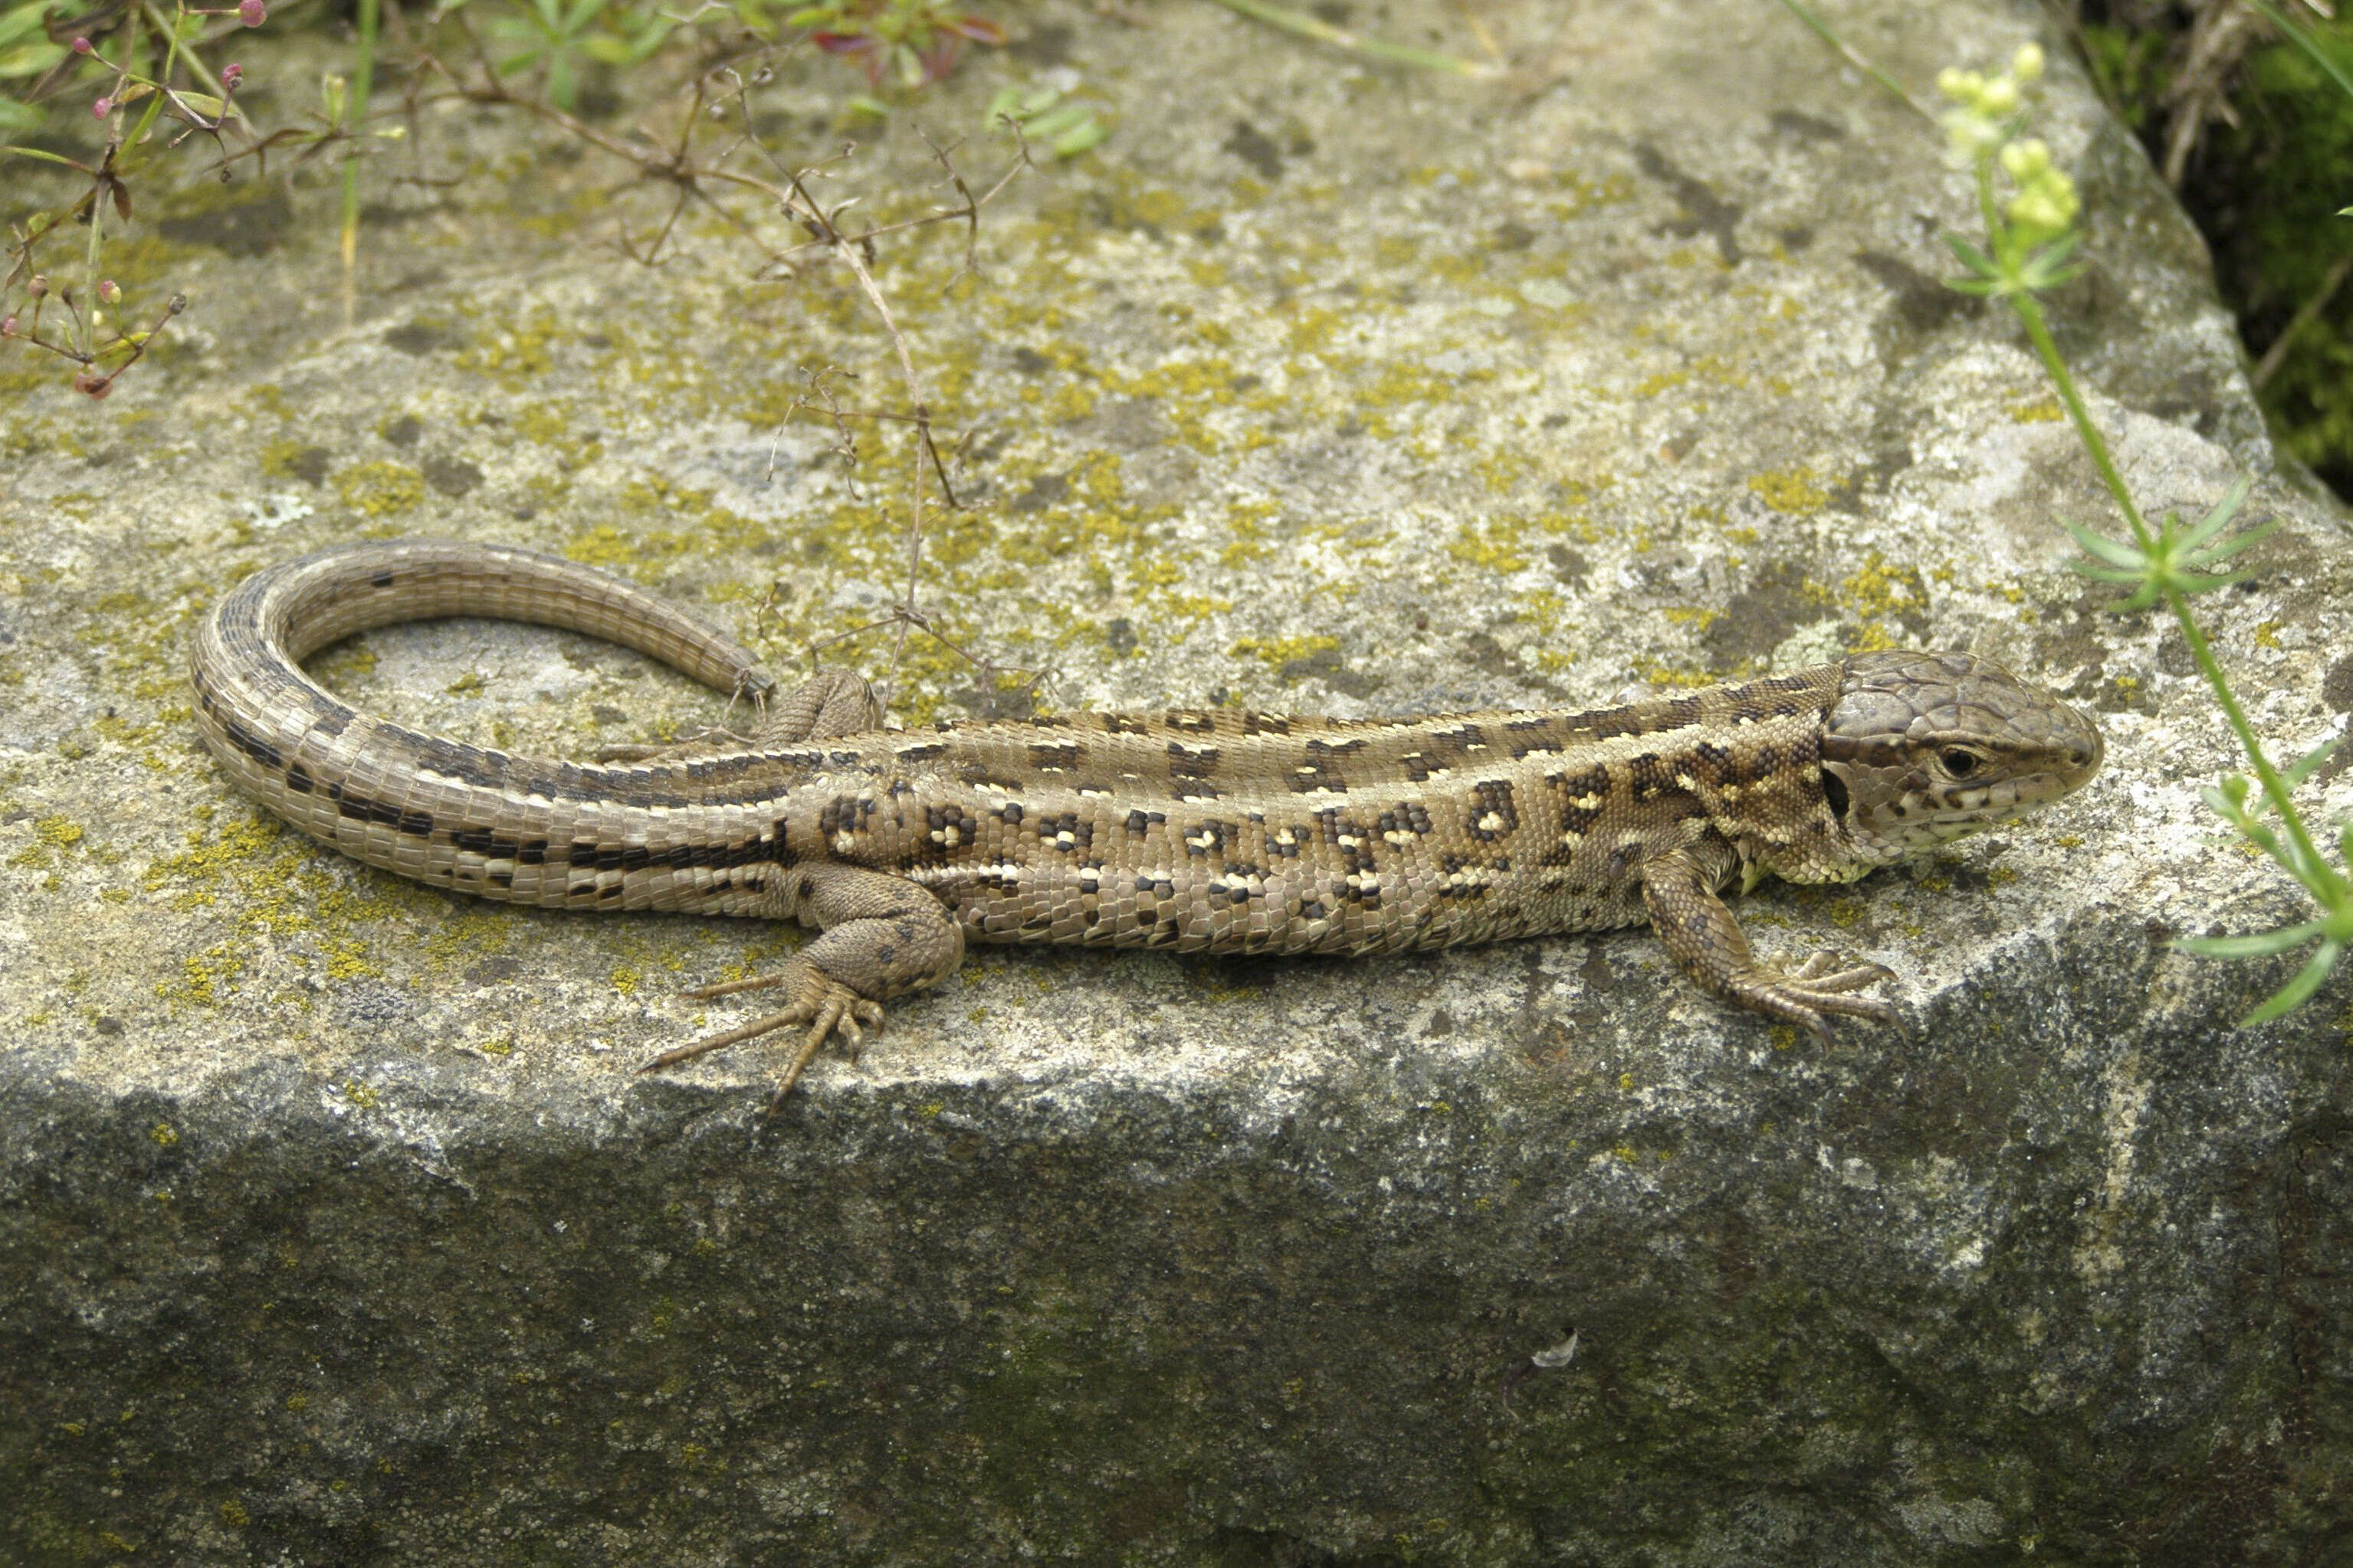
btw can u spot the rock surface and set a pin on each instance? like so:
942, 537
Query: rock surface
334, 1228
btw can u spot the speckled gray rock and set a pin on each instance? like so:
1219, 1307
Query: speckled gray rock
333, 1226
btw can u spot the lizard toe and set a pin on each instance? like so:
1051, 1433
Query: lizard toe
841, 1011
824, 1003
1803, 995
1855, 978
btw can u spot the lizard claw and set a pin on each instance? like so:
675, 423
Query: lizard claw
1817, 986
823, 1003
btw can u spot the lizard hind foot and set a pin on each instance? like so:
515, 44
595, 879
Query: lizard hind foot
1817, 986
821, 1001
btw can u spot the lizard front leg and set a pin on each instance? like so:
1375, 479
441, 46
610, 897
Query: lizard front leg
1679, 889
883, 936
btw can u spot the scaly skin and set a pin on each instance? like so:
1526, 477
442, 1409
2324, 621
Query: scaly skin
1204, 831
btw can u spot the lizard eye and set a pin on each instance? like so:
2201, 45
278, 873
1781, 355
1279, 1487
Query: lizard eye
1958, 763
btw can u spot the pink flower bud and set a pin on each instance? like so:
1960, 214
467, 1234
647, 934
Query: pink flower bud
38, 286
110, 291
8, 326
102, 108
93, 384
230, 75
81, 46
252, 13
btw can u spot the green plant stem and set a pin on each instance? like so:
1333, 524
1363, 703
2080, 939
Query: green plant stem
100, 197
2038, 333
1307, 26
1821, 29
356, 115
2309, 869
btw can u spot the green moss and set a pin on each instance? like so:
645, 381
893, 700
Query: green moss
279, 458
1277, 652
1796, 491
516, 349
282, 887
52, 836
1877, 593
380, 489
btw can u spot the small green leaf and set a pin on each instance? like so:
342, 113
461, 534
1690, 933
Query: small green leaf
2231, 807
30, 59
2208, 554
1976, 260
2307, 982
40, 220
1084, 139
2059, 249
22, 20
2188, 582
1057, 122
2302, 769
2258, 946
2107, 549
2214, 522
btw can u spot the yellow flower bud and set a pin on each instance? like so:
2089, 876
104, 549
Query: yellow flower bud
2026, 64
1998, 99
2025, 160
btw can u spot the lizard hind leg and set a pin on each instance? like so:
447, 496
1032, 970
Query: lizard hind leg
883, 936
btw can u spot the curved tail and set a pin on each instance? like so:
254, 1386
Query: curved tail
484, 821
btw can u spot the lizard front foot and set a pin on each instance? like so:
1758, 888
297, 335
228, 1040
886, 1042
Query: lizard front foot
823, 1003
1802, 995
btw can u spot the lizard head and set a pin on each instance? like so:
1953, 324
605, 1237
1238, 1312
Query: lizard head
1925, 747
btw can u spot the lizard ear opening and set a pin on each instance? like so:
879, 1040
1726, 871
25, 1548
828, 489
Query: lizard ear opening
1834, 791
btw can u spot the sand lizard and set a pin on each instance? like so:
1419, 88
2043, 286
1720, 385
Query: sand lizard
1197, 830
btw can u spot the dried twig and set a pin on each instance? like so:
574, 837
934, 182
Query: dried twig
2306, 313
